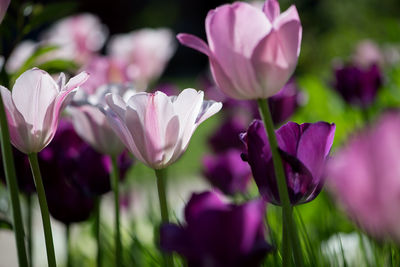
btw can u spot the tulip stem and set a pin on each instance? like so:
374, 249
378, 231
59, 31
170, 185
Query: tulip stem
162, 196
13, 191
29, 199
117, 233
68, 244
97, 220
33, 160
289, 239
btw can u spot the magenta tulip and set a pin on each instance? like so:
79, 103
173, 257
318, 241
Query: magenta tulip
157, 128
252, 52
33, 107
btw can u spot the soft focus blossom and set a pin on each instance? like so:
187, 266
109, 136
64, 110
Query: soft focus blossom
227, 172
78, 37
227, 135
3, 8
358, 86
364, 177
284, 103
304, 149
157, 128
218, 234
33, 107
367, 53
146, 51
105, 70
252, 52
19, 55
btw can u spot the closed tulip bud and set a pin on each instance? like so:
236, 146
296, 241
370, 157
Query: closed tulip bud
252, 52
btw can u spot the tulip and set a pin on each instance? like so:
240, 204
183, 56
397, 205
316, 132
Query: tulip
368, 53
226, 137
146, 52
252, 52
33, 107
78, 37
364, 178
157, 128
304, 149
227, 172
284, 103
3, 8
218, 234
20, 55
358, 86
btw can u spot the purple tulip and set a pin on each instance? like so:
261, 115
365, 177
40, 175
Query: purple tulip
364, 177
358, 86
252, 52
227, 172
284, 103
227, 136
304, 149
217, 234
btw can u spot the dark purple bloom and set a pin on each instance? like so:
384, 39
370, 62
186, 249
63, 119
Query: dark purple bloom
217, 234
284, 103
227, 172
304, 149
227, 135
358, 86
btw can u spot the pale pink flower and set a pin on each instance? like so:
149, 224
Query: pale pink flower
33, 107
157, 128
3, 8
20, 55
77, 36
146, 51
252, 52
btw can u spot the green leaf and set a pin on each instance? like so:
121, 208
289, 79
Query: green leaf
58, 65
5, 223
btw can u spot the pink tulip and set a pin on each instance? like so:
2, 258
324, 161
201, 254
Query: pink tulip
146, 51
252, 52
78, 37
157, 128
3, 8
91, 123
20, 55
33, 107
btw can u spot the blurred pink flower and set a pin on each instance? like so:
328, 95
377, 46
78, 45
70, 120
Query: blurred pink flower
20, 55
367, 53
77, 36
146, 51
33, 107
3, 8
365, 178
252, 52
105, 70
157, 128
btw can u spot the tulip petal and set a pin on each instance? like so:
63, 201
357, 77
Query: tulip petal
194, 42
287, 137
202, 202
272, 10
314, 146
233, 31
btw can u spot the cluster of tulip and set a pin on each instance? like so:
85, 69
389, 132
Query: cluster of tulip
253, 54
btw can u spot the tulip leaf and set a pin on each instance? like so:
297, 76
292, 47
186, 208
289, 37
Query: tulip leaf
58, 65
5, 223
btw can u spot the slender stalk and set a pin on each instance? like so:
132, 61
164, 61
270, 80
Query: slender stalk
51, 258
29, 199
289, 244
97, 231
117, 233
68, 244
13, 191
162, 197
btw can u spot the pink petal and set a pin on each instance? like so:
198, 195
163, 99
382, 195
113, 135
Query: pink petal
194, 42
272, 10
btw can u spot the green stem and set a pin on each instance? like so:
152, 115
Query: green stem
68, 244
97, 231
13, 191
30, 226
287, 218
117, 233
162, 197
51, 258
